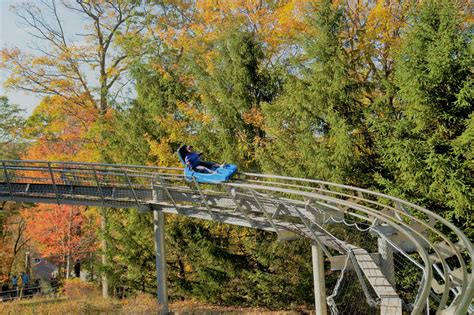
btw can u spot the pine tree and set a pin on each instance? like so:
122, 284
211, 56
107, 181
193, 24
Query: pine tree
150, 128
11, 123
426, 145
315, 129
232, 87
131, 253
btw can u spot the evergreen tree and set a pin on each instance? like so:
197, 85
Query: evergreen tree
11, 124
232, 87
237, 266
230, 105
425, 144
316, 128
131, 261
151, 127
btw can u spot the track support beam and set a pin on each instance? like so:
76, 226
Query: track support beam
319, 281
160, 258
386, 261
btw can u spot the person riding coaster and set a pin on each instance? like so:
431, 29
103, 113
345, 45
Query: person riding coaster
193, 161
203, 171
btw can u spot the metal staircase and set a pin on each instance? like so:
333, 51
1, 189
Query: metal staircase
291, 207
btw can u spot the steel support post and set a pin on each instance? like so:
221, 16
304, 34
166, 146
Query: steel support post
105, 248
386, 260
319, 281
55, 188
7, 178
160, 258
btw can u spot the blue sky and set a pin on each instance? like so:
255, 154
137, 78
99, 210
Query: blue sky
12, 35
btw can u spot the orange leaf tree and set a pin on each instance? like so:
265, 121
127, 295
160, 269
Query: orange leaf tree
13, 239
79, 71
64, 233
62, 131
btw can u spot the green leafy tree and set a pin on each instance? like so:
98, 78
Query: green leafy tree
131, 255
11, 124
315, 128
232, 87
12, 226
230, 265
425, 143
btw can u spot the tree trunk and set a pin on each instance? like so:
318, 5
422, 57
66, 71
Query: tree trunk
68, 243
91, 265
68, 265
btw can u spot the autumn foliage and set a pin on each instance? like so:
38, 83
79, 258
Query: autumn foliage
375, 94
63, 131
13, 238
61, 232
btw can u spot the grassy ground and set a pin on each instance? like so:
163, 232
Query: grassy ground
142, 304
76, 297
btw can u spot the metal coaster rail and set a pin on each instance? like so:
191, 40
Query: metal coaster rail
289, 206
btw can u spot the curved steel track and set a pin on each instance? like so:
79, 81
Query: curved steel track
285, 205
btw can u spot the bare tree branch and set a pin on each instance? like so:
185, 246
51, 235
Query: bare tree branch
68, 61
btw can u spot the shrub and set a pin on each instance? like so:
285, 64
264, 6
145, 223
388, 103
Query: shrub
74, 289
142, 303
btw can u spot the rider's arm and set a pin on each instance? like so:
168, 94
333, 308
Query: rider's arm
188, 160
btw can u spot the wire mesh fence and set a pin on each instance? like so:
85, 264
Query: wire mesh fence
348, 296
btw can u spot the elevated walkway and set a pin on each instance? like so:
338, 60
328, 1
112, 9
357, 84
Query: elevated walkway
291, 207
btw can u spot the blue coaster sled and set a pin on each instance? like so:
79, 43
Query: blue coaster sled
222, 174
